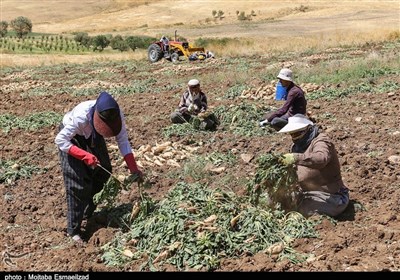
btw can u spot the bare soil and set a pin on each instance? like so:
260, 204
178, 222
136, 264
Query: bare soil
364, 127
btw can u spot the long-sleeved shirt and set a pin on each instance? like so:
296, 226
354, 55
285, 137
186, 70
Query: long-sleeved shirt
318, 168
295, 103
200, 102
77, 122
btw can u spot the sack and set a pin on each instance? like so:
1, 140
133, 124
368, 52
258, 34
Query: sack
193, 57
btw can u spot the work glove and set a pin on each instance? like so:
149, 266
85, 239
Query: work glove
263, 123
288, 159
136, 174
88, 158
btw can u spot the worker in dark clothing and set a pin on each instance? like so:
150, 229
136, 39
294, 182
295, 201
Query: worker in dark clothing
295, 103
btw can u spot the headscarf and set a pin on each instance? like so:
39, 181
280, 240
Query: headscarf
301, 145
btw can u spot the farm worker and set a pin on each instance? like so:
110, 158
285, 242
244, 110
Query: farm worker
295, 103
193, 102
82, 148
209, 54
322, 190
164, 40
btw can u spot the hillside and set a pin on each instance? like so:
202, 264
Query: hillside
194, 18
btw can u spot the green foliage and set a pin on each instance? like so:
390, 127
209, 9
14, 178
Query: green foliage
3, 28
196, 124
21, 26
241, 119
11, 171
100, 42
82, 38
178, 130
218, 158
193, 168
235, 91
109, 192
193, 228
31, 122
118, 43
139, 42
273, 183
333, 93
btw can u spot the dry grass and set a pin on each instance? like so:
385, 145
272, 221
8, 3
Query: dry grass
278, 26
8, 60
129, 15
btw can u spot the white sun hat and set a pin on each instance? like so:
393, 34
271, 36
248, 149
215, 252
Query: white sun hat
285, 74
296, 123
193, 82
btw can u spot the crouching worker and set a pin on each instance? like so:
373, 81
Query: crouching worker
295, 103
83, 153
322, 190
193, 104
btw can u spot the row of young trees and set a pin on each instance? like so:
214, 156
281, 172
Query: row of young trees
22, 26
80, 43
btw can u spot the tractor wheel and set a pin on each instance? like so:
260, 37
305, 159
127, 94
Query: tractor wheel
154, 53
174, 57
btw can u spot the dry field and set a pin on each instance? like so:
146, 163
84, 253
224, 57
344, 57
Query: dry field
305, 24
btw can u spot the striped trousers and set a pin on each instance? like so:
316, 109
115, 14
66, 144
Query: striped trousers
82, 182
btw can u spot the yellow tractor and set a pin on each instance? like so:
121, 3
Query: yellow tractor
173, 51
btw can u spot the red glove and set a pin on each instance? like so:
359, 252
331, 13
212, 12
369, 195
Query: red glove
131, 162
88, 158
133, 168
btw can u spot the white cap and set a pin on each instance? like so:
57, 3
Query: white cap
285, 74
296, 123
193, 82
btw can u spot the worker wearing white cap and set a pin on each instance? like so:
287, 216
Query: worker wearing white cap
295, 102
318, 169
192, 103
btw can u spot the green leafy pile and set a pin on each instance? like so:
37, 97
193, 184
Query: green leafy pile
194, 227
274, 182
112, 188
241, 119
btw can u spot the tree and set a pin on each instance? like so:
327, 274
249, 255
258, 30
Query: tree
139, 42
100, 42
118, 43
3, 28
21, 26
83, 39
